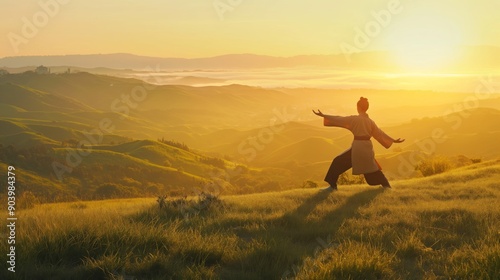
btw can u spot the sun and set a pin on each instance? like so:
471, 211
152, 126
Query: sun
425, 42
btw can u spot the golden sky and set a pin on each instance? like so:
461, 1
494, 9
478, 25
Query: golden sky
201, 28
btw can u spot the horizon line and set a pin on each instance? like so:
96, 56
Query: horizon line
227, 54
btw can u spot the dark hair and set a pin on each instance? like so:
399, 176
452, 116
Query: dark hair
363, 104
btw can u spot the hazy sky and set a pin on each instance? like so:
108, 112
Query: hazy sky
196, 28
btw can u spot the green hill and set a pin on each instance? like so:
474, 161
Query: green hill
161, 154
31, 99
61, 118
9, 110
9, 127
132, 169
80, 171
48, 132
26, 139
443, 226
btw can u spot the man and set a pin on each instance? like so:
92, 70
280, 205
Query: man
360, 156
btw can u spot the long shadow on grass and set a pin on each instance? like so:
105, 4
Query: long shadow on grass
295, 235
349, 209
301, 228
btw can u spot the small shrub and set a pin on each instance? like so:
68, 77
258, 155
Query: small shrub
434, 165
205, 203
348, 179
476, 160
209, 202
27, 200
78, 205
309, 184
161, 201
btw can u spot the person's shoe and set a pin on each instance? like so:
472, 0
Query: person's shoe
329, 189
386, 186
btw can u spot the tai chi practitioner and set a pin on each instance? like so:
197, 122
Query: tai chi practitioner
360, 156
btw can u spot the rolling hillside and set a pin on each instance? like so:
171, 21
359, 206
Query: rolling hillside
60, 117
270, 132
31, 99
138, 168
233, 106
99, 92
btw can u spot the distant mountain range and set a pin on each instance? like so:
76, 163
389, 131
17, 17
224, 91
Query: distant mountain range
473, 58
136, 62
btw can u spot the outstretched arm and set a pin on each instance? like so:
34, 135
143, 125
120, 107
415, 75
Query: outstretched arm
338, 121
384, 139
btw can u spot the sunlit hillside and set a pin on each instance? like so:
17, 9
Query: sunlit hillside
150, 139
443, 226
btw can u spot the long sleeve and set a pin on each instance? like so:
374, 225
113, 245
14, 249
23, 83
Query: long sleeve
345, 122
384, 139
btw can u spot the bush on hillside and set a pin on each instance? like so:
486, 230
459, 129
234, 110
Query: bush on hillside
434, 165
27, 200
204, 204
348, 179
309, 184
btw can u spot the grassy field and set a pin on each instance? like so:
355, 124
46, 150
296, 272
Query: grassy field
439, 227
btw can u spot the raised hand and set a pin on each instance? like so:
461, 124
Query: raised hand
318, 113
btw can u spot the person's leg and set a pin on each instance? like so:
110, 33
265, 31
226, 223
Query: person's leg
377, 178
340, 164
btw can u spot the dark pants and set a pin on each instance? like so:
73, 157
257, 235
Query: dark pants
343, 162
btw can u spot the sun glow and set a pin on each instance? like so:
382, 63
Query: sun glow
426, 43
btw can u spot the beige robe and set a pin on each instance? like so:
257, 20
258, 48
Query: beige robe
363, 156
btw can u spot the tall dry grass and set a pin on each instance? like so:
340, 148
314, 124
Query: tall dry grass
444, 226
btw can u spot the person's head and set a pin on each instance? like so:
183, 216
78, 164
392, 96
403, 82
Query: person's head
363, 105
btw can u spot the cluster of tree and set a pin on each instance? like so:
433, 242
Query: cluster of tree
213, 161
174, 144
